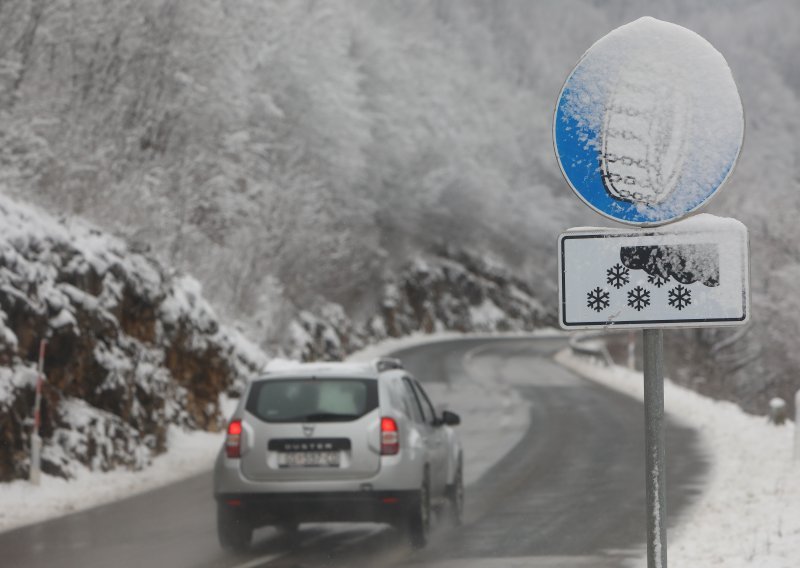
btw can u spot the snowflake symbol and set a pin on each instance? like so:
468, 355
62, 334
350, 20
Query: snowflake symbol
639, 298
680, 297
657, 280
597, 299
617, 276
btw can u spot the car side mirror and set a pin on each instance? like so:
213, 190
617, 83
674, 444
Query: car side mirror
450, 418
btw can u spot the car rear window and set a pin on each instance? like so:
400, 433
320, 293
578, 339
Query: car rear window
312, 400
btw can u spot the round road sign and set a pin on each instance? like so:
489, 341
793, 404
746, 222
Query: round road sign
649, 124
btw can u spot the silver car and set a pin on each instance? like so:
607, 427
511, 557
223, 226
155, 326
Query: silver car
337, 442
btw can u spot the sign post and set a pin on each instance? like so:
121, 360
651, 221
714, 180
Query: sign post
655, 449
647, 128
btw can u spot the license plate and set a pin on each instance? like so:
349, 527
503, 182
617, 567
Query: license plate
309, 459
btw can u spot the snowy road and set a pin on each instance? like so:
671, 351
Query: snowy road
570, 494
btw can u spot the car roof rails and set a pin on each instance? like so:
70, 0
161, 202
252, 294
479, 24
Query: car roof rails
387, 363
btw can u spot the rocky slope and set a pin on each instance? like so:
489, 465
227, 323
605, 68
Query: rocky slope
131, 349
448, 291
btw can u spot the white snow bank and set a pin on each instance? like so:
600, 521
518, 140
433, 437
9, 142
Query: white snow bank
749, 514
22, 503
190, 453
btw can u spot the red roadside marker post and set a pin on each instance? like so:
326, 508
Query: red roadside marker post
36, 439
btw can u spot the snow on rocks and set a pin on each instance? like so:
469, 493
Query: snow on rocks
452, 291
130, 351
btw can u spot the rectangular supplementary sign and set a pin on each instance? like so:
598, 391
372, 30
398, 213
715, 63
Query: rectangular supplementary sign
693, 276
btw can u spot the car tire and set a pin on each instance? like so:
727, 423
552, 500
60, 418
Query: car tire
233, 531
455, 497
419, 521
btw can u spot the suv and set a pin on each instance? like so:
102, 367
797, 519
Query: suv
337, 442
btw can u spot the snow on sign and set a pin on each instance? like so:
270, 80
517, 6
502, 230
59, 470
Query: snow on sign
694, 273
649, 124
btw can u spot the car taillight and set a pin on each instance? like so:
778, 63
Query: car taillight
233, 442
390, 437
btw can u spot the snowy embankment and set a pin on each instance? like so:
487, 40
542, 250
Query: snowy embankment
190, 453
131, 348
135, 356
451, 291
749, 513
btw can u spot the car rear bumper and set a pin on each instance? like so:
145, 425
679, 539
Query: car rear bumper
395, 474
361, 506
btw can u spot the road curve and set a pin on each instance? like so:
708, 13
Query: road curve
570, 494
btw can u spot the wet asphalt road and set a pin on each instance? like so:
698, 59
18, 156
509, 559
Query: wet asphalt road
570, 494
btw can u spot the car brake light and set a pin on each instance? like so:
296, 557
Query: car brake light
390, 437
233, 442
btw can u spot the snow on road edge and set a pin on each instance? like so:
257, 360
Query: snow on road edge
190, 453
21, 503
749, 513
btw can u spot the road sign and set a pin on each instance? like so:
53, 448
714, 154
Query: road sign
691, 274
649, 124
647, 128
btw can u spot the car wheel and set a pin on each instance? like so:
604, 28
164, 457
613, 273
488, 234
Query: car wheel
419, 522
233, 531
455, 498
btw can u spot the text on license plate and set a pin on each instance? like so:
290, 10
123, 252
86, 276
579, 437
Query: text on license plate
309, 459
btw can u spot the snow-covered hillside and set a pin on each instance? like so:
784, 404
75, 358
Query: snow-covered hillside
131, 349
287, 151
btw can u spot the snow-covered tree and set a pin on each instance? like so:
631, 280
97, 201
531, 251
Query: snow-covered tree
298, 151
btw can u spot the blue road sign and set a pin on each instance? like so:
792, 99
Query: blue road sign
649, 124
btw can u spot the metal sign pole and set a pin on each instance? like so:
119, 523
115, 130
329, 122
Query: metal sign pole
655, 460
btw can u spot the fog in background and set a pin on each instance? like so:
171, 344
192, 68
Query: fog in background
290, 154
